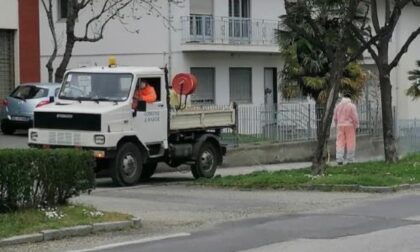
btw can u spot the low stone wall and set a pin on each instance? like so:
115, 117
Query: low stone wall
295, 152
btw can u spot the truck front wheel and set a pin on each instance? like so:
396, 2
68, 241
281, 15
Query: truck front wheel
206, 162
127, 165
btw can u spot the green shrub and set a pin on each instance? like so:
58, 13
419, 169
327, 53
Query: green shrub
32, 178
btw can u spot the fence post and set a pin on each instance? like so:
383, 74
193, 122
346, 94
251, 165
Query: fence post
309, 121
414, 139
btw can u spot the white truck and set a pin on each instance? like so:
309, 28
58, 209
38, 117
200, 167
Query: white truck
94, 111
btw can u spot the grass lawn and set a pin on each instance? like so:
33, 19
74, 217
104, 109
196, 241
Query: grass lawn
407, 171
243, 139
32, 221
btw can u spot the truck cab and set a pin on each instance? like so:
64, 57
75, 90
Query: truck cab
97, 110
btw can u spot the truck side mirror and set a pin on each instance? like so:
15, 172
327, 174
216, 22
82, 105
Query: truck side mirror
51, 99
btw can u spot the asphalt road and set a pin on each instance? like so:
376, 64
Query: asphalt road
18, 140
387, 225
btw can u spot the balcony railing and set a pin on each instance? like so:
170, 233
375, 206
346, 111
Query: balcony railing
228, 30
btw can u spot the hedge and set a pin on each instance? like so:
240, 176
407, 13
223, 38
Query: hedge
33, 178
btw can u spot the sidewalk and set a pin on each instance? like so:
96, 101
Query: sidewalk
184, 171
232, 171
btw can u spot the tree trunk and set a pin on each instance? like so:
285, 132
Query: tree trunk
318, 162
390, 150
319, 113
48, 8
72, 15
59, 73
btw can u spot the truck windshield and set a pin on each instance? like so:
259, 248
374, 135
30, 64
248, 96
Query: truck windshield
96, 86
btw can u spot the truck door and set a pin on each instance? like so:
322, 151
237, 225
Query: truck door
152, 125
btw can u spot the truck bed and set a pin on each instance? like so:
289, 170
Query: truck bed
203, 117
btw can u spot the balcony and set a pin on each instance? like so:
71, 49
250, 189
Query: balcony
208, 33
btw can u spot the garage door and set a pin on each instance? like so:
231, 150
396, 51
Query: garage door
7, 71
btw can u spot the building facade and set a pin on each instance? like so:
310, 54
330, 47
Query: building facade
19, 44
229, 45
9, 47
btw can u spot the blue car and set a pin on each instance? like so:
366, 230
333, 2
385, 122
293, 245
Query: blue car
17, 109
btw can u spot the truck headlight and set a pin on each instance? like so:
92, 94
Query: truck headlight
34, 136
99, 139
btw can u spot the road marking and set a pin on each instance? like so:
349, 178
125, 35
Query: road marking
413, 218
140, 241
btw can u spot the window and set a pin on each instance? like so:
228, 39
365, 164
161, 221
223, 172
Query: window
155, 83
62, 9
201, 26
29, 92
96, 86
239, 22
241, 85
205, 88
56, 91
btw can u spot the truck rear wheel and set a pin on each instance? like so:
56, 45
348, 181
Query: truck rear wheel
206, 163
148, 170
127, 165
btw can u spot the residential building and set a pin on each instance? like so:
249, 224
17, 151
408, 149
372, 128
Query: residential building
19, 44
229, 45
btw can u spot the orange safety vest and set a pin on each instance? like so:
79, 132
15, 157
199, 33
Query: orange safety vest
147, 94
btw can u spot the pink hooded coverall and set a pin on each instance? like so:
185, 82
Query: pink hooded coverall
346, 121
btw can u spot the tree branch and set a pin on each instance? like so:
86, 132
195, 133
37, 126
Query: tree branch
49, 11
374, 16
366, 45
404, 49
104, 10
387, 10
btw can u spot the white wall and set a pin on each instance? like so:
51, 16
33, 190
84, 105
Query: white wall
9, 17
410, 21
222, 62
149, 44
268, 9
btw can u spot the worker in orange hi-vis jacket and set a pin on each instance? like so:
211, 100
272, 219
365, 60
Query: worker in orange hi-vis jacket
146, 92
346, 120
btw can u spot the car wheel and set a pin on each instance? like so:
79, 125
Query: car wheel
6, 129
127, 165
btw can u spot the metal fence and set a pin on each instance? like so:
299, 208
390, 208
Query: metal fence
292, 122
228, 30
408, 135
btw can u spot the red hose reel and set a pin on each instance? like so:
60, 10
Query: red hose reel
184, 84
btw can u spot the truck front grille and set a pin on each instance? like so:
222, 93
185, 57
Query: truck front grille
67, 121
64, 138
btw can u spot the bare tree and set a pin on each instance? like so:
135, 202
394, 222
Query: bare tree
48, 7
380, 54
102, 12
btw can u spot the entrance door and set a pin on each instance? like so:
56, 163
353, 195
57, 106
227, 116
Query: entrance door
270, 86
7, 69
239, 21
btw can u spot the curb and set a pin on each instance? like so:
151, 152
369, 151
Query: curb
83, 230
359, 188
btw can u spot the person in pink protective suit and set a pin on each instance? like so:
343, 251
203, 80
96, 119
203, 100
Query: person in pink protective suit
346, 120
